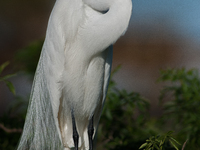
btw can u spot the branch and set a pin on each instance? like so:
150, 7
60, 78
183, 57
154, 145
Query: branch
184, 144
10, 130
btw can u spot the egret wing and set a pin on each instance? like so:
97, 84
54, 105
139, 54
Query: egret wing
108, 65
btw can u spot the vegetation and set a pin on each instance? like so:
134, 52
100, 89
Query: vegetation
5, 78
182, 112
125, 123
9, 123
160, 142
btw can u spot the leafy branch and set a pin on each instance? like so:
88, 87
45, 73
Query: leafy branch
158, 142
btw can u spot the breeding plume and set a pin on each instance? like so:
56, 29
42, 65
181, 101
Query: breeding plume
72, 75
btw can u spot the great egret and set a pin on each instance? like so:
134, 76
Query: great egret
73, 72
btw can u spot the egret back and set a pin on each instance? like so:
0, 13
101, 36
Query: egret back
40, 130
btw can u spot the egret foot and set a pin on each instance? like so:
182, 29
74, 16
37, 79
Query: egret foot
90, 133
75, 133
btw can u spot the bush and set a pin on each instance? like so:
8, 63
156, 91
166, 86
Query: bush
123, 122
182, 111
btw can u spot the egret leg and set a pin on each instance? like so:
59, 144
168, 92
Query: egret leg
75, 133
90, 133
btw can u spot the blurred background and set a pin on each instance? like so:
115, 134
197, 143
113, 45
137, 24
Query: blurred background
161, 34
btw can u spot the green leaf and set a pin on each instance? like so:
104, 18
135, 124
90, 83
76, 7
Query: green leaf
2, 67
10, 86
175, 140
157, 147
173, 144
143, 145
161, 142
7, 77
149, 145
115, 70
169, 132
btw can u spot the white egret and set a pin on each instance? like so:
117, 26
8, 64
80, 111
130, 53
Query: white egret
72, 75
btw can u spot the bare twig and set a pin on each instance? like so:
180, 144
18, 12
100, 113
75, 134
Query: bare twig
184, 144
10, 130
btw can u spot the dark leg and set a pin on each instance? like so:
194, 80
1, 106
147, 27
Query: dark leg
75, 133
90, 133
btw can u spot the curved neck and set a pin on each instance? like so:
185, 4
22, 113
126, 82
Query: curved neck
114, 22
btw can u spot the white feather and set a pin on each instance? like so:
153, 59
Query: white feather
73, 72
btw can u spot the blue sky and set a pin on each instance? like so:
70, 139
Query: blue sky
183, 14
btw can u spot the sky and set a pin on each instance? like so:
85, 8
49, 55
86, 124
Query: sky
184, 14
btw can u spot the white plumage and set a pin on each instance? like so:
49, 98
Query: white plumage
73, 72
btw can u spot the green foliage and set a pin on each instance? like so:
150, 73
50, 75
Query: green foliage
28, 57
9, 135
160, 142
182, 111
5, 78
123, 120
